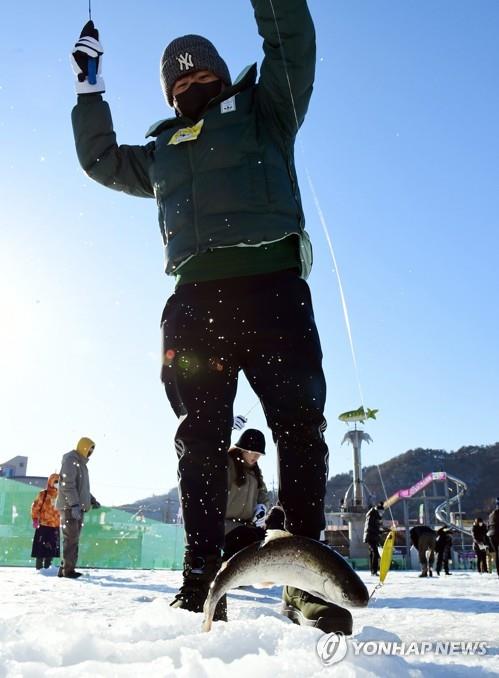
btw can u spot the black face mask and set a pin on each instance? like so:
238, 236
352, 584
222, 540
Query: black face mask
194, 100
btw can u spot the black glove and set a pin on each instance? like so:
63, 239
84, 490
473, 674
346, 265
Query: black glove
88, 48
95, 504
76, 512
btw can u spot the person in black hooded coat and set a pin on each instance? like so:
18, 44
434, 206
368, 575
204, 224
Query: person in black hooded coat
372, 535
493, 533
480, 544
443, 548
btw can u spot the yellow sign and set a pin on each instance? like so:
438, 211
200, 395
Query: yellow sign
186, 134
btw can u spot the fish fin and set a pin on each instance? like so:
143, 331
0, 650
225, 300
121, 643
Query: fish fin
275, 534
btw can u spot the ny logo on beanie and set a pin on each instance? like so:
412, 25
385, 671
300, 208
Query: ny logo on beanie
185, 61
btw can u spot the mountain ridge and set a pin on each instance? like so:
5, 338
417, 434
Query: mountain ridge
476, 465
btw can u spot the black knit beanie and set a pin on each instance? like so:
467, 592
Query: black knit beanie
188, 54
252, 440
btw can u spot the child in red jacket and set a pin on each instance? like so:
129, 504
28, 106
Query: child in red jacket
46, 521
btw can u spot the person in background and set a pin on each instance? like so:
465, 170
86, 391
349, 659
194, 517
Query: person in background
46, 521
73, 501
248, 497
424, 541
493, 533
372, 534
480, 544
443, 547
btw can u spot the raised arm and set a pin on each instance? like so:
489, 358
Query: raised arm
293, 55
123, 168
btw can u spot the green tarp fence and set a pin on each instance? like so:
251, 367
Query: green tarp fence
110, 538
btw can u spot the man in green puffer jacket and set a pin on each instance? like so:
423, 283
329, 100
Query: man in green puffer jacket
222, 173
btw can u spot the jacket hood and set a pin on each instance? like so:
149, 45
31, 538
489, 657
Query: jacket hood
53, 478
84, 445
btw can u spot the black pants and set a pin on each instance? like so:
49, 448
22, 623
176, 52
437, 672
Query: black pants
481, 559
426, 550
373, 556
43, 562
443, 560
263, 325
494, 542
71, 529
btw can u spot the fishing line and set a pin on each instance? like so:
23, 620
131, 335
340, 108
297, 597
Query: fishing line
251, 408
320, 213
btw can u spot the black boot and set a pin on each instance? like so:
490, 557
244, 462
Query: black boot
39, 563
199, 572
307, 610
47, 562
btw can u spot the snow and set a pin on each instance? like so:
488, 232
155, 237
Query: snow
118, 623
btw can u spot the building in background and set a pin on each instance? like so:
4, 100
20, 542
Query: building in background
16, 469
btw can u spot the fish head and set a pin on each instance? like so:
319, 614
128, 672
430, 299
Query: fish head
352, 592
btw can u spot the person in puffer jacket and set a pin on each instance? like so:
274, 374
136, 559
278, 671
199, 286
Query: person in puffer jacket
222, 172
74, 500
46, 521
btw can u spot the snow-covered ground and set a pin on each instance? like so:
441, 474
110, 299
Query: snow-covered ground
118, 623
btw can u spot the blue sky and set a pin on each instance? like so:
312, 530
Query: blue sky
402, 145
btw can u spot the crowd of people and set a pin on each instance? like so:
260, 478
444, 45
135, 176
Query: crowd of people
248, 515
429, 542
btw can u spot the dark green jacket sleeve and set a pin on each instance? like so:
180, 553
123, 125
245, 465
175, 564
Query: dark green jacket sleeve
292, 54
123, 168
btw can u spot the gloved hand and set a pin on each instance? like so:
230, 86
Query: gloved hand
239, 423
259, 515
95, 504
36, 523
76, 512
86, 48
